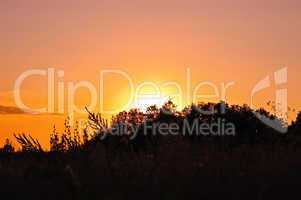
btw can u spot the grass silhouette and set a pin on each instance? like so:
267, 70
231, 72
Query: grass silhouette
255, 163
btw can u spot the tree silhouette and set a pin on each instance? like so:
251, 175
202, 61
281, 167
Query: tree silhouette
7, 147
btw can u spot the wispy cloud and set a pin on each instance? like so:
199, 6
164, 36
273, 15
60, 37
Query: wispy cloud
11, 110
8, 107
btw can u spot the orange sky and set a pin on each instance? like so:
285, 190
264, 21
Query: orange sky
220, 41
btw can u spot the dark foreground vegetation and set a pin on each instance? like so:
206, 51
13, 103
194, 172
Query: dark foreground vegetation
255, 163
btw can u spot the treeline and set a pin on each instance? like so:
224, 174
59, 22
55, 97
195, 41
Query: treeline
257, 162
135, 128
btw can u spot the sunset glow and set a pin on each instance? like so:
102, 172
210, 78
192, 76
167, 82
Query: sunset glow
150, 41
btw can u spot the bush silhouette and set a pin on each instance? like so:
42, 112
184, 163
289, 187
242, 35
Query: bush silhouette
97, 163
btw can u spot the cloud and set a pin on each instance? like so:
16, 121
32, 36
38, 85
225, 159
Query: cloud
11, 110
